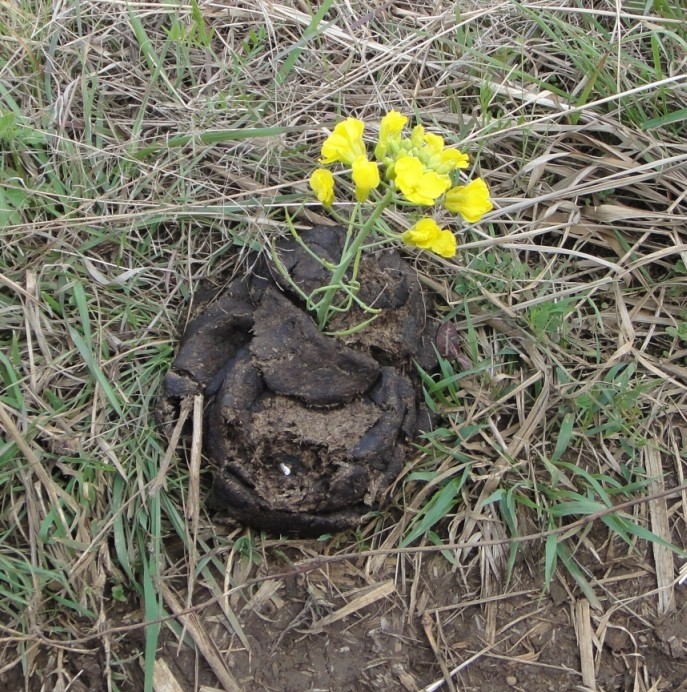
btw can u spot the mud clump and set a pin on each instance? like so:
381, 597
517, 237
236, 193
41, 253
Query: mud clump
305, 431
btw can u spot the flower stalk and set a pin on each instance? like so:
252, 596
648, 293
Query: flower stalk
348, 256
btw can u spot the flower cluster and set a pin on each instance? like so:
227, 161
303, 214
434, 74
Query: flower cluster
419, 167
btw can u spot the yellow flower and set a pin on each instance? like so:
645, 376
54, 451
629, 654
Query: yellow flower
417, 136
427, 235
392, 125
440, 159
422, 234
390, 129
445, 245
471, 201
435, 143
322, 183
345, 144
419, 185
365, 176
452, 158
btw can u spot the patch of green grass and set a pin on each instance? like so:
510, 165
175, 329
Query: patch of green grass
555, 488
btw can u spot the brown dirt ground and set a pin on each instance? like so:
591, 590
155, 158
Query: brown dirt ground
431, 618
401, 624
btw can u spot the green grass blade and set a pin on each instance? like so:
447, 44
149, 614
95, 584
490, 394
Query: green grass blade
550, 559
295, 50
437, 508
671, 118
153, 611
95, 370
564, 436
580, 579
213, 137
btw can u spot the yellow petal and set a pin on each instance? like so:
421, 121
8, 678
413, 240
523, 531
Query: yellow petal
445, 244
423, 234
452, 158
365, 176
392, 125
435, 143
471, 201
345, 144
419, 185
322, 184
408, 171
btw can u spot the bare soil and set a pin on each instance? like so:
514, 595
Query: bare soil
312, 630
521, 639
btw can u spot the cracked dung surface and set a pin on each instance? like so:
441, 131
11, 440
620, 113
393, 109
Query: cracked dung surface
305, 431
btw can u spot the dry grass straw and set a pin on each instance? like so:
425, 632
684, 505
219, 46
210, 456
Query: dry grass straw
138, 164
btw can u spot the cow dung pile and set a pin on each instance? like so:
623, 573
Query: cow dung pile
305, 431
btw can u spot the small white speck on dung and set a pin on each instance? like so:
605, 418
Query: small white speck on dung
285, 469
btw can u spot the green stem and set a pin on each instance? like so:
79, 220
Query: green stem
323, 307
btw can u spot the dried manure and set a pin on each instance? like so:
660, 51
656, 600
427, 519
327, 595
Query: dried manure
305, 431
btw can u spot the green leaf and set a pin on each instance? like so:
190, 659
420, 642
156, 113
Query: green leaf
624, 526
576, 574
576, 507
8, 127
153, 611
